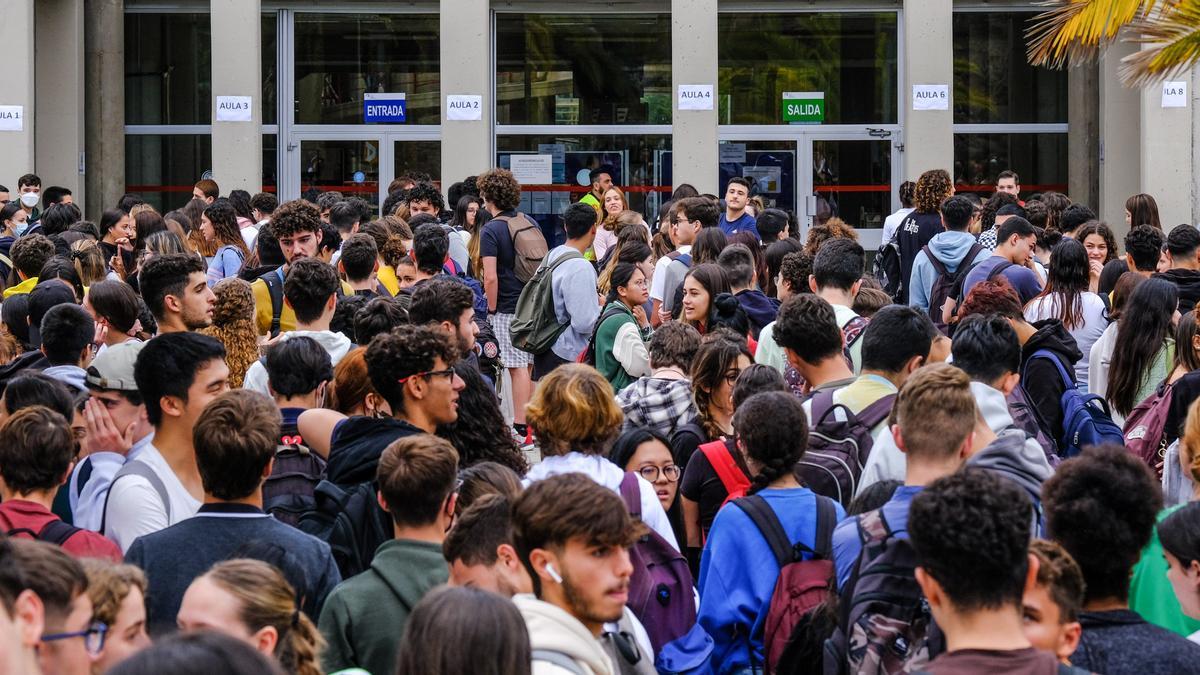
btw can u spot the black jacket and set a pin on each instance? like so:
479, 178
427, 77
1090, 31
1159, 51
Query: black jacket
357, 444
1188, 282
25, 363
914, 232
1042, 382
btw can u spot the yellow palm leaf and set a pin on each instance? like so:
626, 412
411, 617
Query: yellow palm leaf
1074, 30
1173, 35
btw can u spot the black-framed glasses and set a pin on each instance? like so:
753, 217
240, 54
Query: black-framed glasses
448, 373
93, 637
732, 375
651, 472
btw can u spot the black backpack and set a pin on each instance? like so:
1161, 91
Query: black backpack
55, 532
838, 445
289, 491
588, 356
945, 282
887, 268
351, 521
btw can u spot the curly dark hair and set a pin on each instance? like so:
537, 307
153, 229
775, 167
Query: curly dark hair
426, 192
309, 285
379, 315
343, 315
30, 253
1103, 231
834, 228
483, 435
933, 187
167, 275
295, 216
405, 351
499, 187
807, 325
716, 356
795, 270
773, 431
1101, 506
987, 213
970, 532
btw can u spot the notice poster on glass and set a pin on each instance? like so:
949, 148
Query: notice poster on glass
533, 169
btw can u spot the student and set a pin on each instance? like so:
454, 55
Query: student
299, 372
792, 279
1143, 249
952, 250
359, 264
1139, 351
1181, 548
36, 455
1183, 267
465, 631
738, 571
573, 537
480, 549
176, 290
892, 223
1013, 258
178, 375
235, 439
67, 332
207, 190
417, 479
1066, 298
1051, 606
118, 595
22, 616
702, 285
837, 271
970, 532
662, 400
738, 264
1101, 248
310, 291
920, 226
622, 331
29, 254
219, 226
114, 305
718, 362
252, 602
574, 289
601, 180
117, 431
935, 421
575, 419
736, 218
1108, 485
807, 332
692, 214
69, 638
297, 226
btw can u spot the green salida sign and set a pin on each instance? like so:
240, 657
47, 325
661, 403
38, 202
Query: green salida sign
803, 107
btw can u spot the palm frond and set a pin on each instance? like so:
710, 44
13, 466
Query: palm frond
1074, 30
1172, 34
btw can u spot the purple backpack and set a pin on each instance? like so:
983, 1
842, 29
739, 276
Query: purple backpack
838, 444
1146, 426
660, 592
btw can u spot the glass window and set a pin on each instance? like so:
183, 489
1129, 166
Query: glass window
349, 167
1039, 159
852, 180
850, 57
270, 84
641, 167
163, 168
770, 166
993, 81
270, 176
583, 69
339, 57
168, 69
417, 157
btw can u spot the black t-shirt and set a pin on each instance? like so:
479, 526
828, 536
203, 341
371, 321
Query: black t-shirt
915, 231
701, 484
495, 242
110, 250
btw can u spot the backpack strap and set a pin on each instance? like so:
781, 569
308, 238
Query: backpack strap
57, 532
933, 260
558, 659
999, 269
569, 255
764, 518
826, 523
855, 328
968, 260
1049, 355
718, 455
274, 281
822, 402
135, 468
876, 412
631, 494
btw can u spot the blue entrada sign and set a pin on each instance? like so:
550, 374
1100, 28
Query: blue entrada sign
384, 109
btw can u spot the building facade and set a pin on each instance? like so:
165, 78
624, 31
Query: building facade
827, 105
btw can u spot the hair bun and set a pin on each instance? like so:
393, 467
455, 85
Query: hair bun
725, 303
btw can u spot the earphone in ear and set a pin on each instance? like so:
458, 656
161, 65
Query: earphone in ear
553, 573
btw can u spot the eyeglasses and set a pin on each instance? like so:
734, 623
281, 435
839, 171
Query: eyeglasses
651, 472
447, 373
681, 221
732, 375
93, 637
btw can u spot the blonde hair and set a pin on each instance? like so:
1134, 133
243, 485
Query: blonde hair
936, 411
108, 586
89, 261
141, 208
573, 408
267, 599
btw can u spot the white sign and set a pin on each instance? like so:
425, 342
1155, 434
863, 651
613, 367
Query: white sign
233, 109
532, 169
12, 118
695, 97
733, 153
461, 108
931, 97
1174, 95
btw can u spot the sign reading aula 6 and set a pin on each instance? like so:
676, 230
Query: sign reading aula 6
805, 107
385, 109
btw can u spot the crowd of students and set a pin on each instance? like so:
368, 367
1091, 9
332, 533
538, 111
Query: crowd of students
255, 437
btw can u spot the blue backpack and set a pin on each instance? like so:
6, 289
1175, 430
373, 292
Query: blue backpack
1086, 417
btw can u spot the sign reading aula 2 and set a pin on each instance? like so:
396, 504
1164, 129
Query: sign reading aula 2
385, 109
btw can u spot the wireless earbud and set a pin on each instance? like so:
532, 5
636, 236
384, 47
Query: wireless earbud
553, 573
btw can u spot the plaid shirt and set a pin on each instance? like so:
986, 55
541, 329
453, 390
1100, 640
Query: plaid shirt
658, 404
987, 238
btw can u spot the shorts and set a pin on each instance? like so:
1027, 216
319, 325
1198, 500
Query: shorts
510, 356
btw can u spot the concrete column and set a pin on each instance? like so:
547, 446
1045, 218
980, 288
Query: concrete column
694, 61
59, 57
1083, 134
928, 59
1120, 127
104, 37
237, 71
17, 32
466, 49
1166, 153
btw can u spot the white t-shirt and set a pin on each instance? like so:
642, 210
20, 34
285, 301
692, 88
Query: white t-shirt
1086, 334
892, 223
134, 507
656, 283
250, 235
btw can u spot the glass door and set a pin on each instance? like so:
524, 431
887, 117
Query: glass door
848, 178
770, 166
348, 166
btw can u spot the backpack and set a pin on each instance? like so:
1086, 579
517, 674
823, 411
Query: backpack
803, 585
535, 327
887, 269
945, 282
838, 448
289, 491
660, 591
588, 355
55, 532
1146, 426
274, 281
720, 455
884, 624
135, 468
351, 521
1025, 418
851, 332
1086, 417
452, 270
529, 245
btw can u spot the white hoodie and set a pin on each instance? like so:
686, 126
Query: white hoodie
554, 630
336, 344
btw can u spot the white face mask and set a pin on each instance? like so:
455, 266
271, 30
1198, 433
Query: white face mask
30, 199
19, 228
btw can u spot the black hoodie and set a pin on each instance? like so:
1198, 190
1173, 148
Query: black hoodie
357, 444
1188, 282
1043, 384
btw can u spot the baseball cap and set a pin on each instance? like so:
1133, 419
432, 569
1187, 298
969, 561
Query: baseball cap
113, 367
46, 295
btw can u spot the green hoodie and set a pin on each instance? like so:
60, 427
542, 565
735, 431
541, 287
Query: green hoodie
364, 616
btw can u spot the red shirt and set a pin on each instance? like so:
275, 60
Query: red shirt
17, 514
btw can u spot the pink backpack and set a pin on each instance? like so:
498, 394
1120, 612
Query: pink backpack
1145, 428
